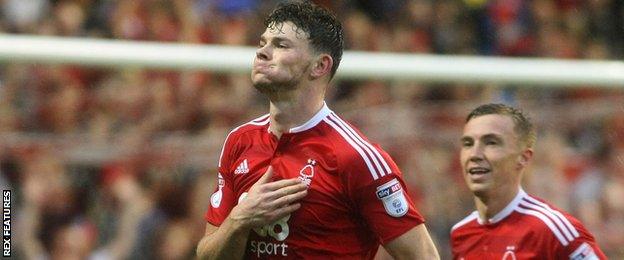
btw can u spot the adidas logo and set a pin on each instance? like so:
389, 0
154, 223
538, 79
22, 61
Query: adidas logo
242, 168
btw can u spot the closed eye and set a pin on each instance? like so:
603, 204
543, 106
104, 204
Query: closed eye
466, 142
281, 44
492, 140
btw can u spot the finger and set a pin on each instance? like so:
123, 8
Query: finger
266, 177
284, 211
276, 185
288, 199
284, 191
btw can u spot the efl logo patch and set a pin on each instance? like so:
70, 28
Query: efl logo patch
393, 198
584, 252
215, 199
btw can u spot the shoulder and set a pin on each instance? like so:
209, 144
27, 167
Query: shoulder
465, 232
255, 124
233, 137
472, 217
354, 149
550, 220
572, 238
345, 130
344, 135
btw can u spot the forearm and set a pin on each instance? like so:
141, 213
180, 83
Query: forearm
227, 242
415, 244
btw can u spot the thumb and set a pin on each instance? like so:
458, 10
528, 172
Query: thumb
267, 176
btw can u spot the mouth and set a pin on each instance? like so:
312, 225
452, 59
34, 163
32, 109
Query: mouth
477, 171
262, 67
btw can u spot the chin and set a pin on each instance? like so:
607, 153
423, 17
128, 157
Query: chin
258, 77
265, 87
478, 189
260, 81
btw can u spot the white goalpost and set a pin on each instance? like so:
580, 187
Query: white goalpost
354, 65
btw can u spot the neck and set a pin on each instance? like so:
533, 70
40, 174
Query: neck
488, 205
293, 108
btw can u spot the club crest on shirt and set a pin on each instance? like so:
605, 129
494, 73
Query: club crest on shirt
215, 199
307, 172
393, 198
509, 254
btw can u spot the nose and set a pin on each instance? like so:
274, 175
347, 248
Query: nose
475, 153
263, 53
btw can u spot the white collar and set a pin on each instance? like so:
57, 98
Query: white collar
324, 112
507, 210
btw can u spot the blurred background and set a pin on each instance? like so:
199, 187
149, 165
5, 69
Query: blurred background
120, 163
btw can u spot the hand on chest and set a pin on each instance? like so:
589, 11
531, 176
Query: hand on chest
310, 167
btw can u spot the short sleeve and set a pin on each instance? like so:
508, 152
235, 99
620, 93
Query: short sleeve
223, 199
376, 186
583, 247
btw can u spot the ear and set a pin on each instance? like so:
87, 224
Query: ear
525, 157
322, 66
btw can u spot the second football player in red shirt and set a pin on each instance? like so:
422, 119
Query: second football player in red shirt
301, 182
509, 224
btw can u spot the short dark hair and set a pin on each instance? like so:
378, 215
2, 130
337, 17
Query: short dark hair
522, 123
324, 30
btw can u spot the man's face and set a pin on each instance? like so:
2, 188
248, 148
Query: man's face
490, 155
282, 60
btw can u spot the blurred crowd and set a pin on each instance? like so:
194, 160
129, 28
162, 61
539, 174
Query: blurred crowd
120, 163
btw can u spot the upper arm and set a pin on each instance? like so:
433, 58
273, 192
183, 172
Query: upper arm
413, 244
582, 247
382, 201
223, 199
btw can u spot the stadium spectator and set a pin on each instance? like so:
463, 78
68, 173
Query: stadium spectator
52, 225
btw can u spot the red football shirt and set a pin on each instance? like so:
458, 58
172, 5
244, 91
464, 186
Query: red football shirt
356, 196
527, 228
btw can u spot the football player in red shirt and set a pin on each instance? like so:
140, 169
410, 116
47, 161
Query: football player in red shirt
496, 147
300, 182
